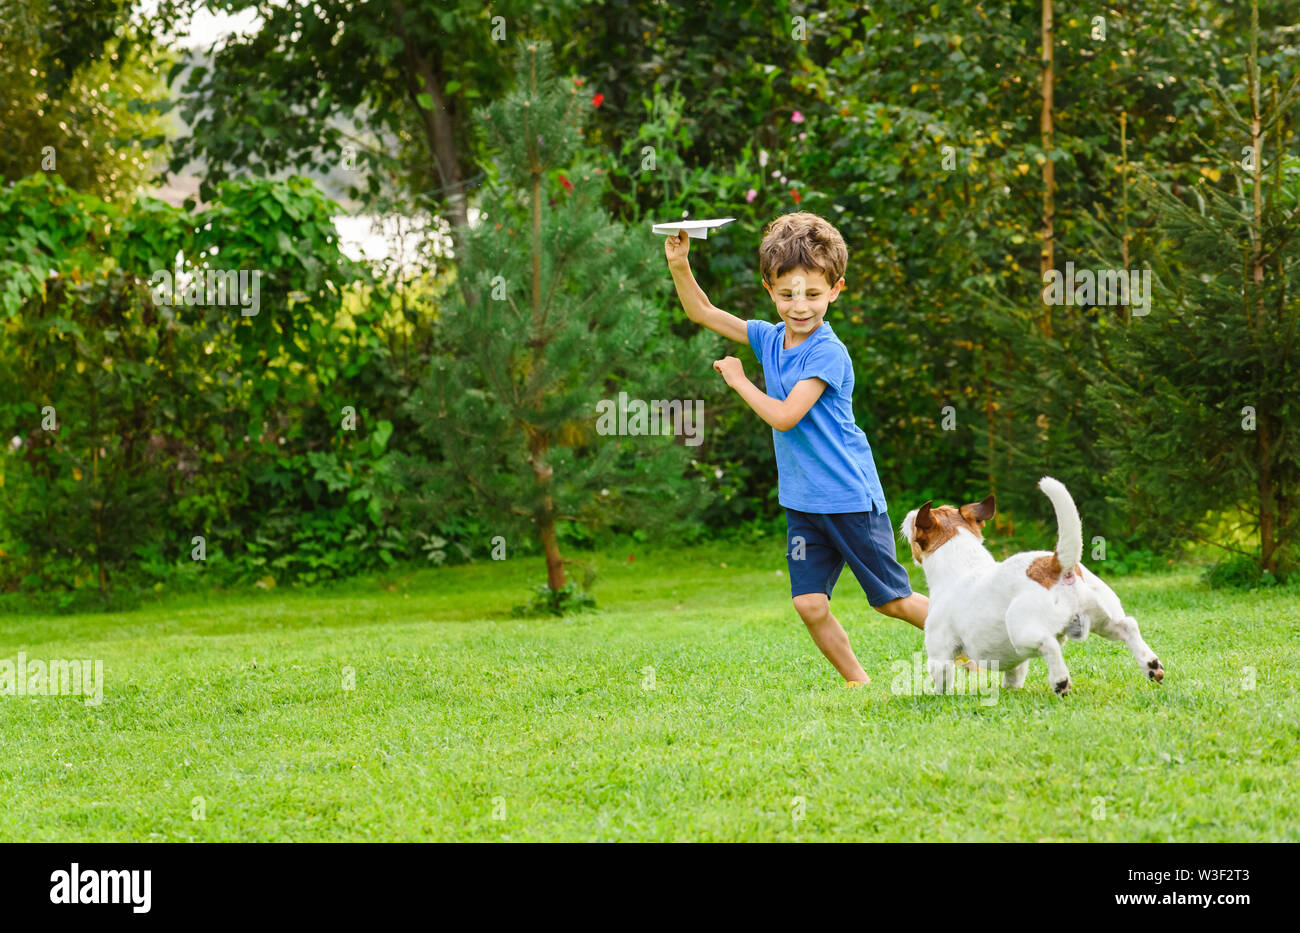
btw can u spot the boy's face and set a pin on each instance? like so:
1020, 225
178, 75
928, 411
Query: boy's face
801, 297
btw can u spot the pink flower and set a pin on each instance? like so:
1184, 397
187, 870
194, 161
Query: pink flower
751, 194
803, 135
796, 117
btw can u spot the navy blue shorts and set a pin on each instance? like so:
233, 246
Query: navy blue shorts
818, 546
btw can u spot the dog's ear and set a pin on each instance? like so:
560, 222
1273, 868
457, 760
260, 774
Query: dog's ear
924, 519
980, 511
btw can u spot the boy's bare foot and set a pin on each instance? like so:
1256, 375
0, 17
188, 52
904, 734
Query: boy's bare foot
857, 683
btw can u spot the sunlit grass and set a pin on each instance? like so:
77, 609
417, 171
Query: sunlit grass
693, 706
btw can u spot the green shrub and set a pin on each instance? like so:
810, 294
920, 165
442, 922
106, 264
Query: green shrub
569, 598
1242, 572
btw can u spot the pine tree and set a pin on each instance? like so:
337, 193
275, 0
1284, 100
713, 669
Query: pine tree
556, 310
1201, 400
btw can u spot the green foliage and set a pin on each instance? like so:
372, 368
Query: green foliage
318, 77
175, 421
933, 174
675, 139
942, 309
1201, 392
167, 422
553, 313
548, 602
1239, 572
81, 96
1124, 559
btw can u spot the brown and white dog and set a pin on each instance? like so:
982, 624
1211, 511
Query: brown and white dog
1025, 606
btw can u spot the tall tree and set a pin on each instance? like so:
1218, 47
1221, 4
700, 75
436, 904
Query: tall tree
555, 316
391, 79
1201, 405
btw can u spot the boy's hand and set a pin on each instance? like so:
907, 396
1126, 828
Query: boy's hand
731, 368
676, 247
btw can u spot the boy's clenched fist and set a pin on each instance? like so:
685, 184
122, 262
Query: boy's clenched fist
731, 368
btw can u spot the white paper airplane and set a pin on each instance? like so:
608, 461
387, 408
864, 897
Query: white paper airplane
695, 229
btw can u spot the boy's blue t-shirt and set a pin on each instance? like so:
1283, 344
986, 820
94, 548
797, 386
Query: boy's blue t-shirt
824, 462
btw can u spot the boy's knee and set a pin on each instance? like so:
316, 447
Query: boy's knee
891, 608
812, 607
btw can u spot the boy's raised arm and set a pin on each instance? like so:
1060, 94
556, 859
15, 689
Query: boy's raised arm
694, 301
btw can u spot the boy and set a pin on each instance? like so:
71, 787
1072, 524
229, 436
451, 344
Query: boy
827, 482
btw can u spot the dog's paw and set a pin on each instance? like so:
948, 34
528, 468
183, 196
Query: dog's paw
1155, 671
1062, 687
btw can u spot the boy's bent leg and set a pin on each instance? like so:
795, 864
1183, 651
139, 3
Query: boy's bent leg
866, 542
829, 635
913, 609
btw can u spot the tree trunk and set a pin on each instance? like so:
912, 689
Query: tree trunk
1257, 147
1263, 427
1123, 182
545, 516
1267, 492
538, 443
992, 427
438, 124
1008, 426
98, 502
1048, 257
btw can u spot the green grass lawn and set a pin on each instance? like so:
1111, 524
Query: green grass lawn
459, 711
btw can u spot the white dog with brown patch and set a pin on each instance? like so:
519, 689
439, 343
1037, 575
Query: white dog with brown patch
1025, 606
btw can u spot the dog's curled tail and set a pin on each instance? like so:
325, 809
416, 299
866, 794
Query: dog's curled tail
1069, 530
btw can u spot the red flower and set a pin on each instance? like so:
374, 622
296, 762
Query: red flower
597, 100
578, 81
568, 185
794, 192
629, 558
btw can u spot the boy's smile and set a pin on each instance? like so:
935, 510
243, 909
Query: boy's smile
801, 296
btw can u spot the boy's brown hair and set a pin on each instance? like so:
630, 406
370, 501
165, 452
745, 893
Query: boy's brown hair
802, 240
